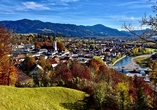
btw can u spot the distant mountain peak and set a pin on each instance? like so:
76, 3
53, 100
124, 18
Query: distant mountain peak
27, 20
98, 25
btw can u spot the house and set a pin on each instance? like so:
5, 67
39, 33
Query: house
43, 51
29, 46
133, 74
147, 78
54, 65
36, 70
23, 79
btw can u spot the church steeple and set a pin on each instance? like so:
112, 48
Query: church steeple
54, 43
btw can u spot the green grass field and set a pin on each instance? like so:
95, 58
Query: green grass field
151, 49
142, 61
49, 98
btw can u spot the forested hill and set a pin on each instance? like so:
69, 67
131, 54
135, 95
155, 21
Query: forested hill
36, 26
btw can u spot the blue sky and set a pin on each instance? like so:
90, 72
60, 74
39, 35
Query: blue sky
111, 13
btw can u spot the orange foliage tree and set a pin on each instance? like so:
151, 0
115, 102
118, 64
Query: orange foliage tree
63, 72
28, 63
7, 73
12, 78
98, 70
60, 46
80, 70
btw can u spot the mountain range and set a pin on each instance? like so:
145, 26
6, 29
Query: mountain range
36, 26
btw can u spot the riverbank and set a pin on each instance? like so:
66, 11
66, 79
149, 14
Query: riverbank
118, 60
133, 65
128, 63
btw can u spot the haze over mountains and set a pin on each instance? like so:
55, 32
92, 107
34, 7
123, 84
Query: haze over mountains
36, 26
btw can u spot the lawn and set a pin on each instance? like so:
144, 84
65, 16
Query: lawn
49, 98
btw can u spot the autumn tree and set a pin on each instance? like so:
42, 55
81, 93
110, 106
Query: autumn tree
60, 46
30, 38
81, 77
153, 77
142, 94
46, 78
153, 73
28, 63
80, 70
12, 78
123, 98
98, 69
15, 39
100, 93
41, 61
94, 64
46, 75
38, 45
63, 73
5, 61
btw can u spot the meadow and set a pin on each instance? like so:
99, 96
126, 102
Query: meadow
49, 98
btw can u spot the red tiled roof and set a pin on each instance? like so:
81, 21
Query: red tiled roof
20, 56
22, 77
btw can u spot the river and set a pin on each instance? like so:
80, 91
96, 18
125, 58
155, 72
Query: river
128, 63
122, 63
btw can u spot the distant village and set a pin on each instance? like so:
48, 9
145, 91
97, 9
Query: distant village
106, 48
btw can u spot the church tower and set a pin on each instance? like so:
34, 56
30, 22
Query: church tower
55, 44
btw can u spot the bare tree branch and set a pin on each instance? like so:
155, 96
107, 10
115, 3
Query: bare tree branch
150, 23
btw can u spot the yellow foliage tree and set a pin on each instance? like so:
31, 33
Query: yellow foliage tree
100, 93
153, 73
123, 98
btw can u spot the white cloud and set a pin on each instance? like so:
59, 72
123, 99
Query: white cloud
136, 4
33, 6
124, 18
8, 9
69, 1
132, 18
65, 2
127, 3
